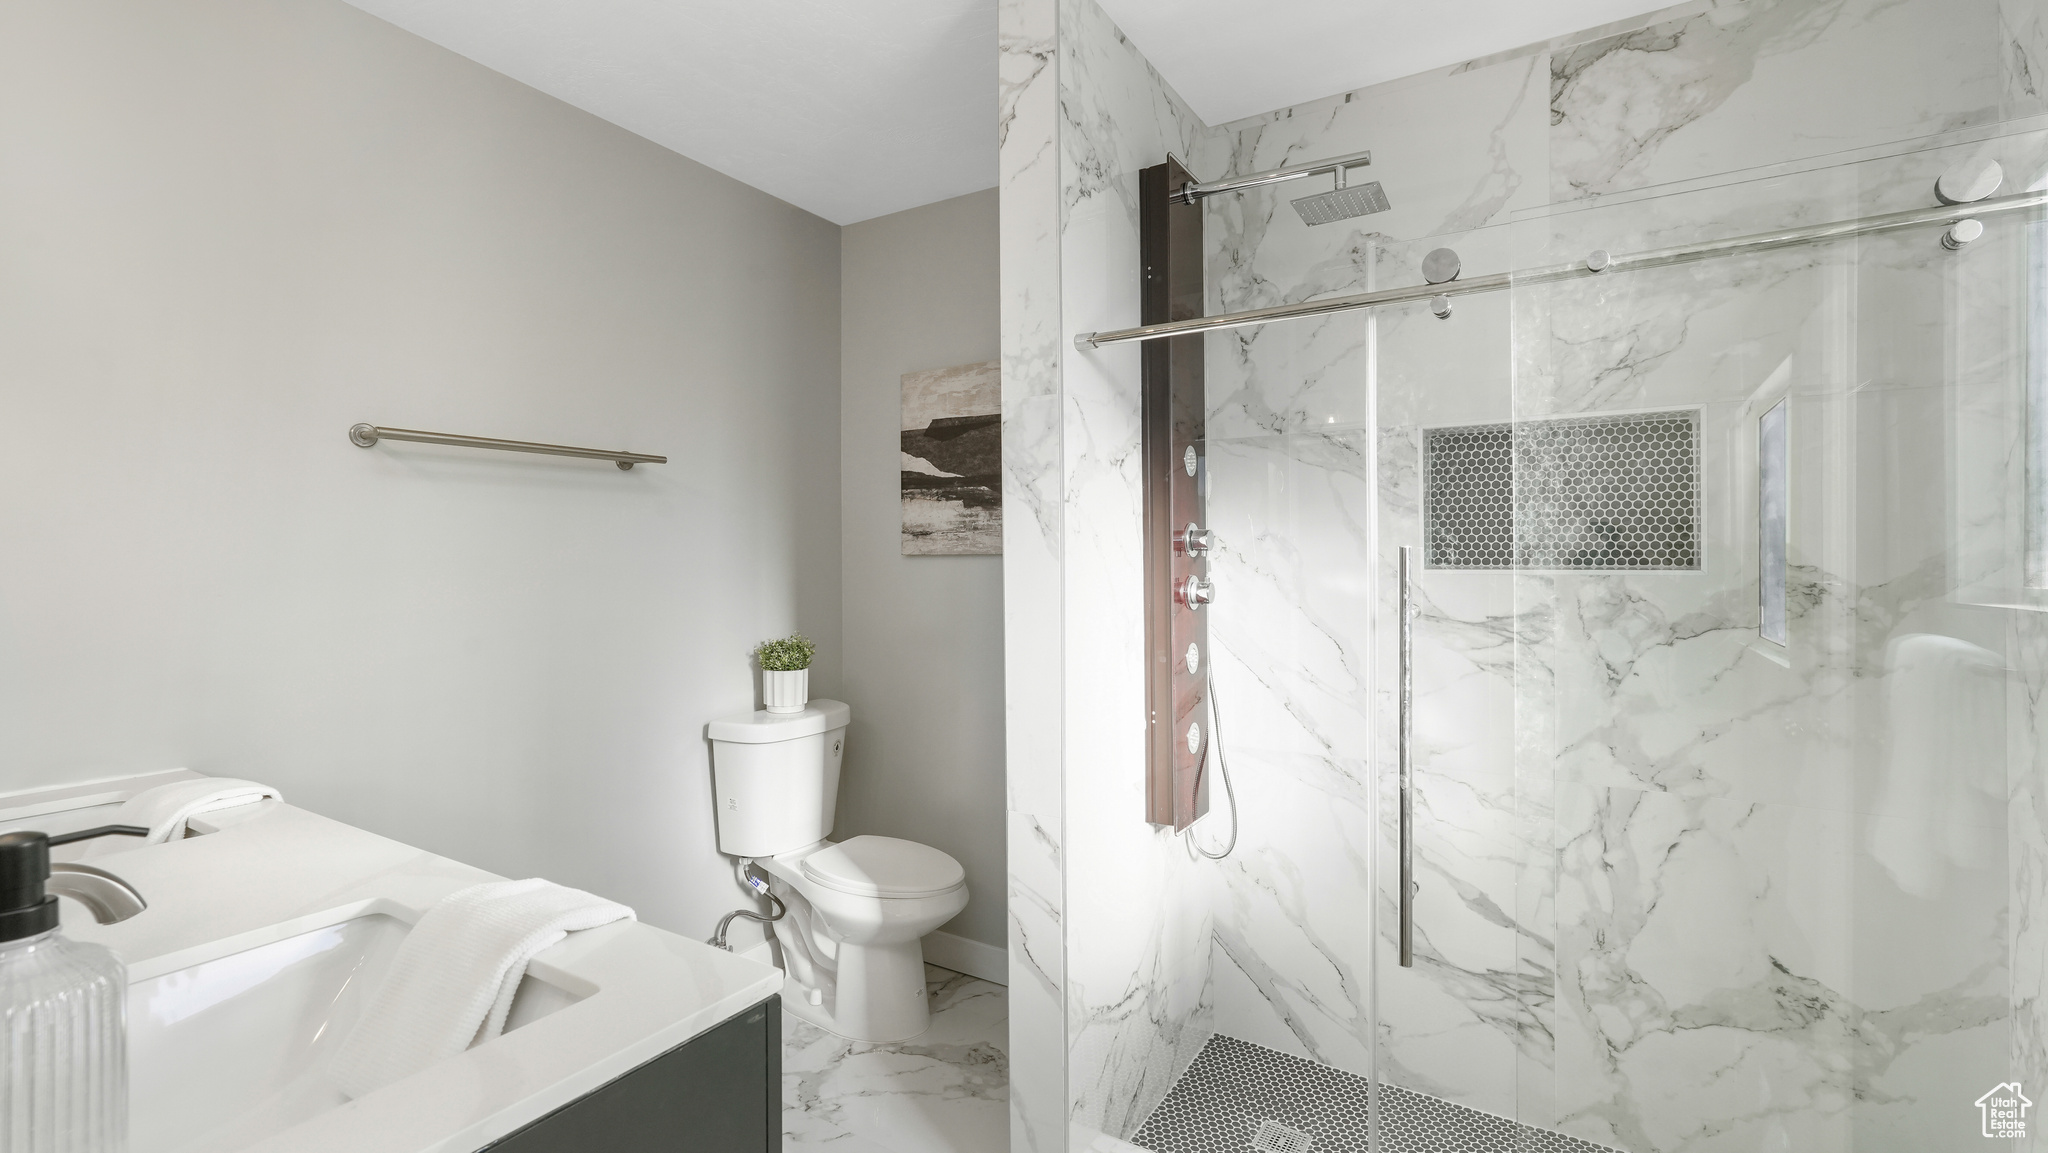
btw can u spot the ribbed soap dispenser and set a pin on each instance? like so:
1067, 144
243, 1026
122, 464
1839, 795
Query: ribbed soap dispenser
63, 1020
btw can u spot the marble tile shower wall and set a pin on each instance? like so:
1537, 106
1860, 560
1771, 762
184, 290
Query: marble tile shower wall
1028, 236
1110, 924
1137, 917
1678, 891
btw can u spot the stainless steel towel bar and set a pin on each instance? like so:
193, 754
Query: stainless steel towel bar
1600, 263
367, 435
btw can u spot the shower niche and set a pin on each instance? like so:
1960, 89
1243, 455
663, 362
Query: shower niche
1177, 540
1606, 491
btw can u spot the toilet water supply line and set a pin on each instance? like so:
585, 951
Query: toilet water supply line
744, 870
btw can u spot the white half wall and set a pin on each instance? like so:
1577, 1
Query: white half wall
233, 229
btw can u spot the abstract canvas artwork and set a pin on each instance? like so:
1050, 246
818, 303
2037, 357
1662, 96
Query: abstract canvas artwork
952, 450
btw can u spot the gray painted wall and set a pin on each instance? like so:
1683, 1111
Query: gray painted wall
923, 635
233, 228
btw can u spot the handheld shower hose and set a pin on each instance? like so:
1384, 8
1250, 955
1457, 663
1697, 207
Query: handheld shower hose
1223, 770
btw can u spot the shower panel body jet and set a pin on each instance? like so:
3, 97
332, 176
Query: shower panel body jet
1177, 539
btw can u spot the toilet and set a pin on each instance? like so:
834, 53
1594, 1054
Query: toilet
851, 940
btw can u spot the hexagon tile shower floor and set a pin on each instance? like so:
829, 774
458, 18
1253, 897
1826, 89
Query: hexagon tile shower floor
1235, 1090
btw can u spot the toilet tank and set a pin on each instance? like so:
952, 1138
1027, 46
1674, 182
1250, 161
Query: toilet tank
776, 777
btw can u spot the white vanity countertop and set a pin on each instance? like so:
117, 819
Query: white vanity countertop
273, 871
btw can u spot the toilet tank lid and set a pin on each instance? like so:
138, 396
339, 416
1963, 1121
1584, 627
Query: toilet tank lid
883, 867
763, 727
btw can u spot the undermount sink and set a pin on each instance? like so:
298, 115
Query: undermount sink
265, 932
229, 1051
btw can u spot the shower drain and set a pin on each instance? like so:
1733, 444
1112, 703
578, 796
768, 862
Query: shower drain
1273, 1137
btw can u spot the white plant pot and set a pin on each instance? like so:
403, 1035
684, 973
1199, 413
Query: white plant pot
786, 692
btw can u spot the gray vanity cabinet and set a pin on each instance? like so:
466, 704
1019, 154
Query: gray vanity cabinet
719, 1092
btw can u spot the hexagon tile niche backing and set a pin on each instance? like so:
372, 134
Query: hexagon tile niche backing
1579, 492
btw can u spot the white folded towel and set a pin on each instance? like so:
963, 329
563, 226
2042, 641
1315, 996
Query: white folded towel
453, 979
165, 809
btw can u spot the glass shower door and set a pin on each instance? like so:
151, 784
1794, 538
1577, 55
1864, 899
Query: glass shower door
1776, 673
1726, 661
1457, 1008
1727, 655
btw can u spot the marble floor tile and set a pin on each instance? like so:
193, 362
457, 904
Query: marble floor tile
943, 1091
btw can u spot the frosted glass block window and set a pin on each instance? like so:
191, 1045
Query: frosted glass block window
1585, 492
1772, 479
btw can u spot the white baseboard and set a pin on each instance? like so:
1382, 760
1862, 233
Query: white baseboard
973, 958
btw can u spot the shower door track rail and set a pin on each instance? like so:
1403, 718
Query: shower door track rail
1599, 263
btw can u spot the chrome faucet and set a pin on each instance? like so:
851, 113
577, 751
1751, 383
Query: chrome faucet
106, 896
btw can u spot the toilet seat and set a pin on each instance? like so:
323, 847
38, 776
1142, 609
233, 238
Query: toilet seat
852, 928
883, 867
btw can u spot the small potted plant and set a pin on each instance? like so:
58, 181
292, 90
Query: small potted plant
786, 672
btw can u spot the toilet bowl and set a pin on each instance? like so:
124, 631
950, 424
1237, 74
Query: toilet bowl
851, 940
857, 909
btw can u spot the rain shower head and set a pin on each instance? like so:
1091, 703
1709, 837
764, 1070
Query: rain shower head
1342, 203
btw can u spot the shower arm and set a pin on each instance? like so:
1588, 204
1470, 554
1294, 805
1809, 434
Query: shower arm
1599, 263
1190, 193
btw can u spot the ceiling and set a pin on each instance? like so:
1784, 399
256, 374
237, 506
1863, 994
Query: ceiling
846, 108
853, 109
1230, 59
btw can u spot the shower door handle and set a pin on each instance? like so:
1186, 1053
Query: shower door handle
1407, 758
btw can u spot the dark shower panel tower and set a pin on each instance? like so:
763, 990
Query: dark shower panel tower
1176, 541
